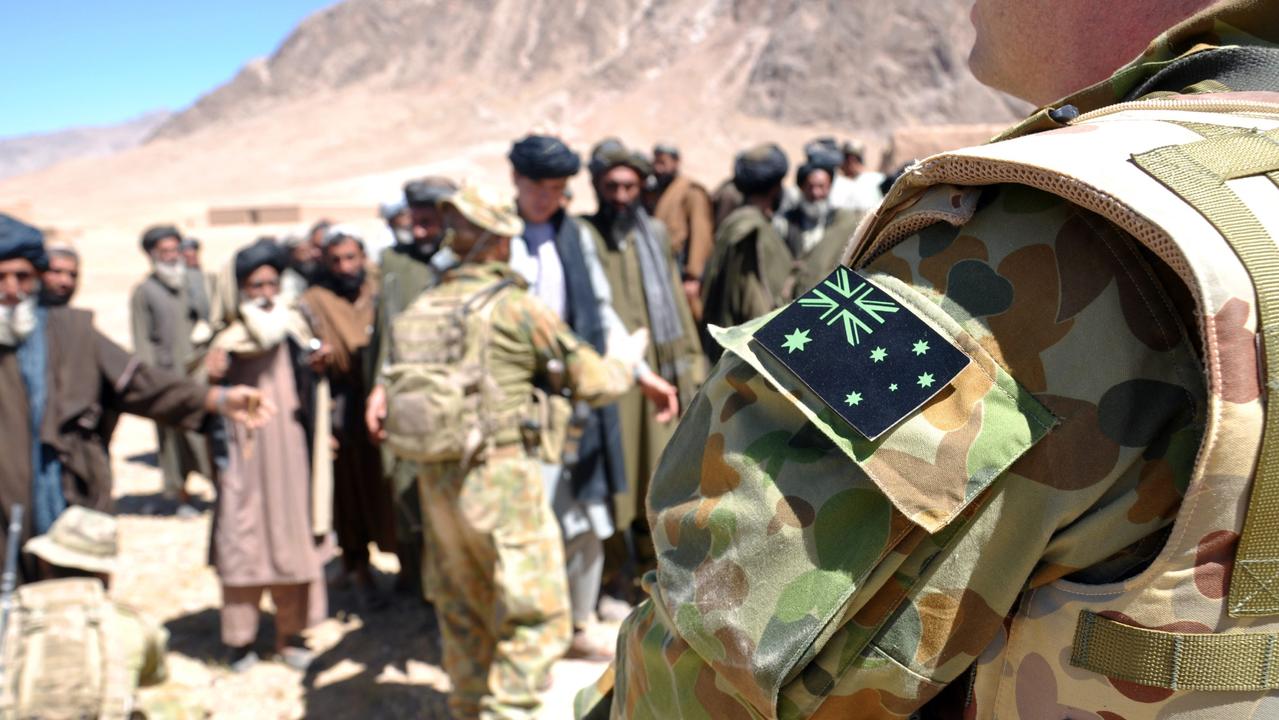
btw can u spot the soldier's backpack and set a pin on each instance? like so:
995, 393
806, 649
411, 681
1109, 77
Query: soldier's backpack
59, 661
441, 400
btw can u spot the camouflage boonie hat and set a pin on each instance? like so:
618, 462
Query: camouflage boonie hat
487, 210
80, 538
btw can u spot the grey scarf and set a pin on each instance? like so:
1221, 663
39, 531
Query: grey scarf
663, 314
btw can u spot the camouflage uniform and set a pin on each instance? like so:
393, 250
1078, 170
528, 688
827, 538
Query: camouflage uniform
806, 571
493, 544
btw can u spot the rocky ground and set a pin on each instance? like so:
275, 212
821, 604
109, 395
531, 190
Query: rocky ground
382, 664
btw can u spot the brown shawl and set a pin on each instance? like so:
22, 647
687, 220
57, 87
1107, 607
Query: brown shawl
344, 326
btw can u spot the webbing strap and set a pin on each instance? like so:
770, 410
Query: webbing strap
1177, 661
1198, 173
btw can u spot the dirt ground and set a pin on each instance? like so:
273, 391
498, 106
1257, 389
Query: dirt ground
381, 664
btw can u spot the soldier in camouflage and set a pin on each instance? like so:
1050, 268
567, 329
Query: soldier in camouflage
998, 465
494, 552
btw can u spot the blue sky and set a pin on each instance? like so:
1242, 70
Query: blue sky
66, 63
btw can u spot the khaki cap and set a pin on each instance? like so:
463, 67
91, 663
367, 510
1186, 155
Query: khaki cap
487, 210
80, 538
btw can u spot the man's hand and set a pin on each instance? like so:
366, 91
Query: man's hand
375, 414
319, 358
663, 395
216, 363
242, 404
693, 291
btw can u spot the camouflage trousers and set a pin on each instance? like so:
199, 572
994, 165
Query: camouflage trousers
497, 580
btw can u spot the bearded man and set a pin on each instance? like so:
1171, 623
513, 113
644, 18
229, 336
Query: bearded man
643, 272
408, 268
64, 386
340, 309
170, 314
263, 531
59, 282
815, 231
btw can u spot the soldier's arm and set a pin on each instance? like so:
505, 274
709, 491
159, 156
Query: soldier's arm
804, 570
588, 376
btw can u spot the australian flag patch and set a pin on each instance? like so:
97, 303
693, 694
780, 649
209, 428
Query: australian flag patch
868, 357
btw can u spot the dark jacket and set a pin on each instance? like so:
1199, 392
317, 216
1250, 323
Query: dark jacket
91, 382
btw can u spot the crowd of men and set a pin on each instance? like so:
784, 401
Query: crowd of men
594, 331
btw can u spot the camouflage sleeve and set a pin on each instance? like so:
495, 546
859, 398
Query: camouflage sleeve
594, 379
805, 571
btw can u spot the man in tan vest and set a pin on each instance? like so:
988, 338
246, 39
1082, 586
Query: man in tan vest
1010, 459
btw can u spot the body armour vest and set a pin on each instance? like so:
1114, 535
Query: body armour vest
1196, 181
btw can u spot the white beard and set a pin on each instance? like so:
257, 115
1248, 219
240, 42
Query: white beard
17, 322
173, 275
268, 327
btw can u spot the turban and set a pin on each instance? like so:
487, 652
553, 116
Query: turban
759, 169
808, 168
155, 234
338, 234
823, 157
608, 146
539, 157
612, 153
190, 243
20, 240
388, 210
251, 257
428, 192
666, 148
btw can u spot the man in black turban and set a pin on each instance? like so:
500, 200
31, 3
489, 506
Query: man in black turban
748, 272
263, 526
539, 157
559, 259
50, 465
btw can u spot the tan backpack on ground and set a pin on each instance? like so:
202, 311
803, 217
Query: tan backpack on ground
440, 396
59, 659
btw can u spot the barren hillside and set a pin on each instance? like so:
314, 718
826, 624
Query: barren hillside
29, 153
368, 92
